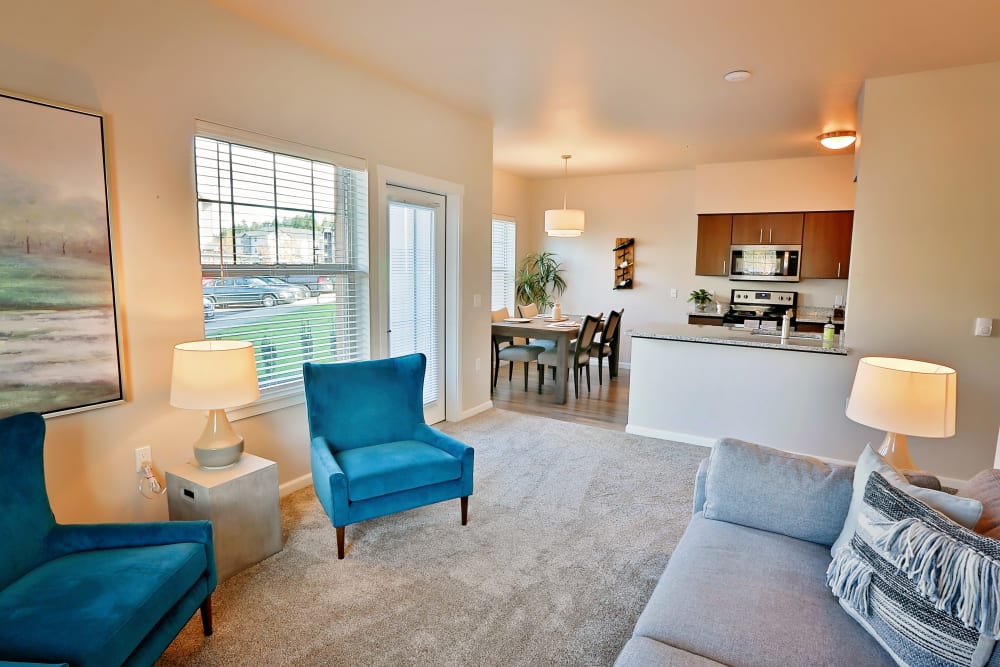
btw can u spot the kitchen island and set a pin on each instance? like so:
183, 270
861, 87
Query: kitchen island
724, 335
695, 384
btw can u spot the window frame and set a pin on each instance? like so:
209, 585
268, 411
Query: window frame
290, 393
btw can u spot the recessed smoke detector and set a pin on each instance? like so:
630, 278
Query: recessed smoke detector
737, 75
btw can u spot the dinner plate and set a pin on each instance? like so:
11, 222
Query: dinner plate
519, 320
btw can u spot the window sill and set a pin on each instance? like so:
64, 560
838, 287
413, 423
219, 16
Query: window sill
275, 399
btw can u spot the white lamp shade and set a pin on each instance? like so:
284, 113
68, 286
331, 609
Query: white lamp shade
564, 222
904, 396
213, 374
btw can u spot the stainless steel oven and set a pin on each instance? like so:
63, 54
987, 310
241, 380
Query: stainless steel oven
765, 262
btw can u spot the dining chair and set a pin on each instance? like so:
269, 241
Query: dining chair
531, 310
579, 353
606, 343
498, 315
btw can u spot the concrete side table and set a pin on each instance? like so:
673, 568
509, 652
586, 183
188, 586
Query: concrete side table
241, 501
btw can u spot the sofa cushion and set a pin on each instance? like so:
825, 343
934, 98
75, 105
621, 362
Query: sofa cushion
378, 470
91, 610
646, 652
777, 491
742, 596
924, 586
985, 487
965, 511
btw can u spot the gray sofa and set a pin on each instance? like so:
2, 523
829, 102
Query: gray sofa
746, 585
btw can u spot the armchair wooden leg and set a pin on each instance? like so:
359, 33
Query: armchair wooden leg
340, 542
206, 616
465, 510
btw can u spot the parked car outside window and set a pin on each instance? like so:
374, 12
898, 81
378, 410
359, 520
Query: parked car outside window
246, 292
299, 291
317, 284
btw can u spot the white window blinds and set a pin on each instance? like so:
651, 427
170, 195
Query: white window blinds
284, 242
502, 293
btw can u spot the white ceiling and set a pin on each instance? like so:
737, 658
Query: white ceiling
636, 85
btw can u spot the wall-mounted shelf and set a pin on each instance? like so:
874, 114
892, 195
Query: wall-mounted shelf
624, 262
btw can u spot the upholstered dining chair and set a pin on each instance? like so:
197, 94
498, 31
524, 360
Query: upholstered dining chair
498, 315
579, 354
372, 453
97, 594
606, 344
531, 310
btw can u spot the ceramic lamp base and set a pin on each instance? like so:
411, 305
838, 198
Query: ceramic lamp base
219, 445
895, 450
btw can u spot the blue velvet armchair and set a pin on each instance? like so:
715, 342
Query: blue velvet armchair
372, 452
89, 595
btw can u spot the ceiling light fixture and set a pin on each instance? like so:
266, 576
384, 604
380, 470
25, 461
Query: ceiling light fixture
564, 221
736, 75
837, 140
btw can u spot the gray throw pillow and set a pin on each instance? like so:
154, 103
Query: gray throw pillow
920, 584
985, 487
965, 511
777, 491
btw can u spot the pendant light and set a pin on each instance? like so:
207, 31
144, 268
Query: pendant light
564, 221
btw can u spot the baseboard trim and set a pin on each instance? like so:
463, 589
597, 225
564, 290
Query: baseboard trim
702, 441
293, 485
661, 434
472, 412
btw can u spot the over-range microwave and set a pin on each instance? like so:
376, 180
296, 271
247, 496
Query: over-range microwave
765, 262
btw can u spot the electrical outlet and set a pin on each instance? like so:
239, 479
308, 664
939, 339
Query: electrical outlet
143, 455
477, 300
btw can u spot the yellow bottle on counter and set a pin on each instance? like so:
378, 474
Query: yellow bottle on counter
828, 331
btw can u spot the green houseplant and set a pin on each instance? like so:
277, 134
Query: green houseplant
700, 297
539, 278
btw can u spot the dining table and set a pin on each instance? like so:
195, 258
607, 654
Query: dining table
543, 327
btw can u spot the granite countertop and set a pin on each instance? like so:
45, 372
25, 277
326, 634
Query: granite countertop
714, 335
817, 319
713, 313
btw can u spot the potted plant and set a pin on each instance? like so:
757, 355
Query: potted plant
700, 297
539, 278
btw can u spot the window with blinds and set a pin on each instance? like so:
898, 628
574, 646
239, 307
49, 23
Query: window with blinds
283, 252
502, 293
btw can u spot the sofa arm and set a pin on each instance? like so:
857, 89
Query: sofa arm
465, 454
699, 486
329, 481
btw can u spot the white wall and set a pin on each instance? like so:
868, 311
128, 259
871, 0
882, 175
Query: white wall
660, 210
926, 239
512, 199
152, 68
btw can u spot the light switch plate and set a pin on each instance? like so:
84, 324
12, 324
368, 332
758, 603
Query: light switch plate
984, 326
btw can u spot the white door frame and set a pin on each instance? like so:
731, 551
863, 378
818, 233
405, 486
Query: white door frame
454, 194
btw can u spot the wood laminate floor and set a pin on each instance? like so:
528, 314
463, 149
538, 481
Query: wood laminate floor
605, 406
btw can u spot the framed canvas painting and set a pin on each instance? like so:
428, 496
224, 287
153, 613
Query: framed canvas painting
59, 335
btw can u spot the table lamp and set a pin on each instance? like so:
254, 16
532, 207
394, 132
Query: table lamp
903, 397
213, 375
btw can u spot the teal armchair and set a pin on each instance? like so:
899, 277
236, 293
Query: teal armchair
89, 595
372, 454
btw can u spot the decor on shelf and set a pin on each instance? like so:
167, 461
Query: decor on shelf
539, 278
700, 297
61, 350
903, 397
836, 141
624, 262
564, 221
213, 375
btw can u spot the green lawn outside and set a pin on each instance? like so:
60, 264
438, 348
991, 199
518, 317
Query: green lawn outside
286, 340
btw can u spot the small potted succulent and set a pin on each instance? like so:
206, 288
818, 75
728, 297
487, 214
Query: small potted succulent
700, 297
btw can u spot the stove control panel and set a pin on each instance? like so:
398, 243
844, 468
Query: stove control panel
761, 298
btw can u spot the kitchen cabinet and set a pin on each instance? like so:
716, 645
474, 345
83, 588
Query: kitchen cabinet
826, 244
767, 229
816, 327
714, 232
705, 319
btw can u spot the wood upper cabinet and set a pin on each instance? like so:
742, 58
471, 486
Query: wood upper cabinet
767, 229
713, 245
826, 244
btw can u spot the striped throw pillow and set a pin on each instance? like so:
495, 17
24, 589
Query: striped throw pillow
926, 588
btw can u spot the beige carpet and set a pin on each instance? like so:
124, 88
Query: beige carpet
569, 528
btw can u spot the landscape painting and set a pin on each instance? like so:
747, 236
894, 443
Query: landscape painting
58, 325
